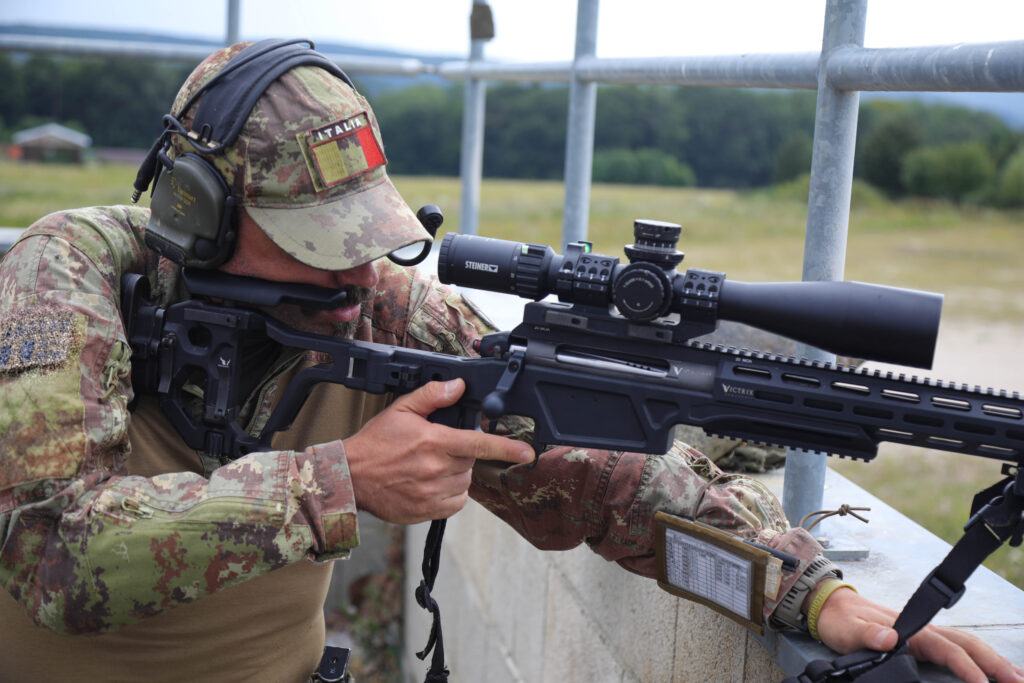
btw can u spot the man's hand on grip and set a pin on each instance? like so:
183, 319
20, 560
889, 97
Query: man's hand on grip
406, 469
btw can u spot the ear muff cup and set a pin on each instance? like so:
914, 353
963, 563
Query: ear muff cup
193, 213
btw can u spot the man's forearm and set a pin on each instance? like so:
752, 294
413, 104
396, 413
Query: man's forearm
104, 551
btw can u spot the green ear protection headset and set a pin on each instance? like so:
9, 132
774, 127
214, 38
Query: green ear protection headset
193, 213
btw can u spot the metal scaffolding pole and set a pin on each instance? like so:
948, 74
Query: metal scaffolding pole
231, 32
579, 143
471, 161
828, 216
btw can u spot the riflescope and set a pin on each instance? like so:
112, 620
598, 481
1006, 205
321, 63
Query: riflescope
854, 319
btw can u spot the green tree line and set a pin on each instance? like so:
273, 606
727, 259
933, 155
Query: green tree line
643, 134
118, 102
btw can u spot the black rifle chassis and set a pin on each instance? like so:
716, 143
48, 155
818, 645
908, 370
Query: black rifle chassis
563, 367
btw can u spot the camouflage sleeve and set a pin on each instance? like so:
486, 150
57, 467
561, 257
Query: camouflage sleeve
607, 499
85, 547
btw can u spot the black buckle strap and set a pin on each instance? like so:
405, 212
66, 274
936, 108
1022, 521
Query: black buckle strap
864, 666
946, 584
951, 595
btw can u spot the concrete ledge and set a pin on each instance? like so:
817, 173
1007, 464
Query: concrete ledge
513, 613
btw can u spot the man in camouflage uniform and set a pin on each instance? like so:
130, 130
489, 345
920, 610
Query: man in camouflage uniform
165, 565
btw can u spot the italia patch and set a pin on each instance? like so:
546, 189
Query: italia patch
35, 339
342, 150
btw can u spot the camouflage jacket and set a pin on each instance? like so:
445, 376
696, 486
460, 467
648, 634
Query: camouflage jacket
64, 448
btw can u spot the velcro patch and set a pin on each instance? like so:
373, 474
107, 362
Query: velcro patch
342, 150
35, 339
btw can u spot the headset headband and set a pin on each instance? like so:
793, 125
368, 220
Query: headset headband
225, 108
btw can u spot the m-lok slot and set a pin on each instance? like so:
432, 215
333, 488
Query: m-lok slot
893, 409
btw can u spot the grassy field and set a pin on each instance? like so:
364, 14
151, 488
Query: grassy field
972, 255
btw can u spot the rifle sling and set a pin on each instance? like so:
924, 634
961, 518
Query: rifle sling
438, 672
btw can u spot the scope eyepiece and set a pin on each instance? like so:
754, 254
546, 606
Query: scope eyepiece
495, 265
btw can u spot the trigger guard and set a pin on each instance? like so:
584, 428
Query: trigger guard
456, 416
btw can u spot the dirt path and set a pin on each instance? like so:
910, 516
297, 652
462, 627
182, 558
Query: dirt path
985, 354
981, 353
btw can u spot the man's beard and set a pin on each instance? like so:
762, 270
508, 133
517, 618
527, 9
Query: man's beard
304, 319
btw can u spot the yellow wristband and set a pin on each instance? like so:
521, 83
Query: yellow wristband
827, 587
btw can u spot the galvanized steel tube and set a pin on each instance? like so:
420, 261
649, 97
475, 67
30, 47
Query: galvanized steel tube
791, 71
526, 72
471, 160
579, 144
979, 67
231, 29
193, 52
828, 215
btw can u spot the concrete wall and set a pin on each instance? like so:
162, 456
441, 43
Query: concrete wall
512, 613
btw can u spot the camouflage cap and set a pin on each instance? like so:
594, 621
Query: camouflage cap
308, 168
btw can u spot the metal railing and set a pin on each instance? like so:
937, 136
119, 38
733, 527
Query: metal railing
839, 72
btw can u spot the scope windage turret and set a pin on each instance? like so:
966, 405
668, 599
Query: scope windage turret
854, 319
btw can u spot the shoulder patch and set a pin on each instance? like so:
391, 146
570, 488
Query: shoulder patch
35, 338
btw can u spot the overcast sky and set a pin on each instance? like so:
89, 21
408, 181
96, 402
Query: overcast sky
529, 30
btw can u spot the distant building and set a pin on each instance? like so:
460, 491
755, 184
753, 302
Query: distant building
51, 142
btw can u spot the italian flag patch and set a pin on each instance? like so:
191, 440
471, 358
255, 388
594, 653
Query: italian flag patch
342, 150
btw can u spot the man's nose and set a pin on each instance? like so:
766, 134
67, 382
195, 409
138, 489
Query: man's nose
360, 276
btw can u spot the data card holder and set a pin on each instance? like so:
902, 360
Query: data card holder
716, 569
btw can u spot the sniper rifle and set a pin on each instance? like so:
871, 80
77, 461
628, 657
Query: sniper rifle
615, 363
